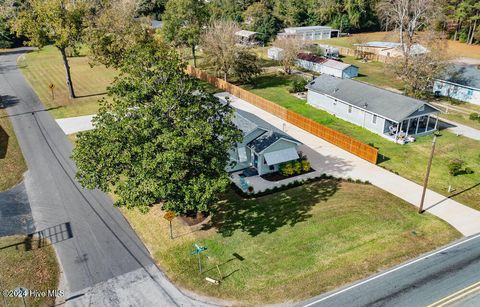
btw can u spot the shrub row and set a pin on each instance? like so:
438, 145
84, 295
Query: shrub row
292, 184
294, 167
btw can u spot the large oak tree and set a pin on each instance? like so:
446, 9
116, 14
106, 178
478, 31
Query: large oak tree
159, 138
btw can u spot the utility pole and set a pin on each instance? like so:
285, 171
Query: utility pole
425, 183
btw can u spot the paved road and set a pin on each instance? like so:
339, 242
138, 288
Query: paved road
448, 276
103, 261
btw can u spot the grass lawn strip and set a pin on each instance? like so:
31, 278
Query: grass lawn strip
295, 244
34, 269
45, 67
12, 164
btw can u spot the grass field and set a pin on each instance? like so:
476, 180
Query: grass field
295, 244
454, 48
407, 160
12, 164
33, 268
45, 67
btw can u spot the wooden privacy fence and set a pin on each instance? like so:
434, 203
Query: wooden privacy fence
339, 139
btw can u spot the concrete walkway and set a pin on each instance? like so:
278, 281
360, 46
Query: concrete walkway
75, 124
340, 163
460, 129
332, 160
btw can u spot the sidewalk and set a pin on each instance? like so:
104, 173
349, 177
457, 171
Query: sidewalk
460, 129
340, 163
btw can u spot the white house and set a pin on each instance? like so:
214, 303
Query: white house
462, 82
263, 147
310, 33
391, 115
246, 38
275, 53
326, 66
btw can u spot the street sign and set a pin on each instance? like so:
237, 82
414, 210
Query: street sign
169, 216
197, 251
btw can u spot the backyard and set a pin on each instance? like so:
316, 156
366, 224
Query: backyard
293, 244
12, 164
27, 265
407, 160
454, 48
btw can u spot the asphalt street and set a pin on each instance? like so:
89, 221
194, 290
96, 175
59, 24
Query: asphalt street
103, 260
420, 282
15, 214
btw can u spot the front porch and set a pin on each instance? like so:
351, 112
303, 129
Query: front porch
407, 130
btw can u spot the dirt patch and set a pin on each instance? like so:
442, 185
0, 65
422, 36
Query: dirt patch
194, 220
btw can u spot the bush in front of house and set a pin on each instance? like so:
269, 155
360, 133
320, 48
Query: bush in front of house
455, 166
286, 169
305, 165
297, 167
474, 116
298, 85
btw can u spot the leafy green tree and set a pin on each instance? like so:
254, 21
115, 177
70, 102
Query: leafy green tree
42, 22
259, 18
159, 138
152, 8
183, 21
112, 31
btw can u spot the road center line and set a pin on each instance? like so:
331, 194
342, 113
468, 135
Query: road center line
392, 270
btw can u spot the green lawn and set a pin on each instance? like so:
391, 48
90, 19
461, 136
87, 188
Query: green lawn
30, 267
407, 160
295, 244
45, 67
12, 164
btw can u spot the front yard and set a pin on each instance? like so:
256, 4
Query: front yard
294, 244
45, 67
408, 160
24, 264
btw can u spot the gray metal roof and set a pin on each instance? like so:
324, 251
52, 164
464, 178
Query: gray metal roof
379, 101
464, 74
247, 122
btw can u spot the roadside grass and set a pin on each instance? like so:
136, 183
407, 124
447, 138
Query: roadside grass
295, 244
34, 269
407, 160
44, 67
12, 164
461, 119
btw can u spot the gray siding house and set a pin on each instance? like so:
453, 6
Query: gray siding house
326, 66
388, 114
263, 147
462, 82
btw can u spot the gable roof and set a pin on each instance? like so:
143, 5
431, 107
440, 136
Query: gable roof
267, 139
311, 58
247, 123
463, 74
337, 64
385, 103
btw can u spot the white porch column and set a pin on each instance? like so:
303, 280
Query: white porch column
428, 122
436, 123
418, 122
398, 130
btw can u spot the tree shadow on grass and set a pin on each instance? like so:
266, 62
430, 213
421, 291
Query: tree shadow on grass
268, 213
268, 81
3, 143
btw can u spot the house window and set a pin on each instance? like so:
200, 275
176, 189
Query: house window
271, 167
374, 119
470, 93
349, 109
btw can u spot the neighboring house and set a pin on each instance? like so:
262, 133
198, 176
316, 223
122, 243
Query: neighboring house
388, 114
275, 53
246, 38
330, 51
389, 49
326, 66
263, 147
462, 82
310, 33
